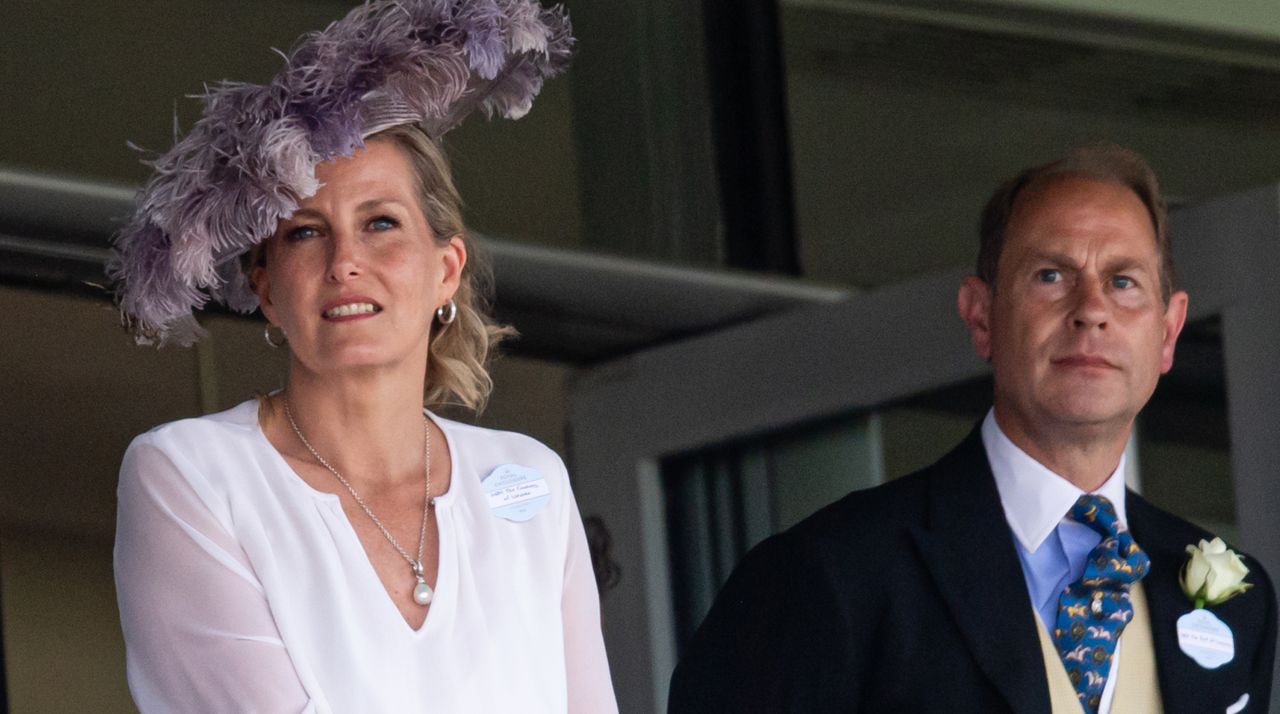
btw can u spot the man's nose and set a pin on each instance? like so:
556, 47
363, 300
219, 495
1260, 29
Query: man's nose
1091, 308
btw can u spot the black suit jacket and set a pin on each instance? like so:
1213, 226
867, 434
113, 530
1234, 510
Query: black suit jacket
909, 597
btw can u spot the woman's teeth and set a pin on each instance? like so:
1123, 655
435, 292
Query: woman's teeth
355, 308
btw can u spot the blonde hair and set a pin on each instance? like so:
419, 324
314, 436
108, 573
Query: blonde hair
459, 353
457, 365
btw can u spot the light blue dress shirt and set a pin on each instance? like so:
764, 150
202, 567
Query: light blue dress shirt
1059, 562
1051, 547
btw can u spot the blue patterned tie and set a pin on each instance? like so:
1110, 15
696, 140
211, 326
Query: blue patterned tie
1093, 611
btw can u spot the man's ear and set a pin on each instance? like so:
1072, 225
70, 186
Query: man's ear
974, 304
1175, 316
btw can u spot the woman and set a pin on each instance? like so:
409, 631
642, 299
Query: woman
333, 547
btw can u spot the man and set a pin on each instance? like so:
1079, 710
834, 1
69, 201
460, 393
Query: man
1003, 577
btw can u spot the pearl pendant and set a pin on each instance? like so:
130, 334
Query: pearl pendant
422, 593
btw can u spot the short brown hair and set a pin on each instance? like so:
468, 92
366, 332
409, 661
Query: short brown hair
1103, 162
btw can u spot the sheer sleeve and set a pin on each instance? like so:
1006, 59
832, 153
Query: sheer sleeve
198, 630
586, 666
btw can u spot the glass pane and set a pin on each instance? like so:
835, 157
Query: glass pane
723, 500
903, 120
1183, 435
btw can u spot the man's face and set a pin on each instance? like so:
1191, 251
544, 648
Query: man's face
1075, 329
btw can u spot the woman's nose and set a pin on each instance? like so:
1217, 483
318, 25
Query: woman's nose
344, 257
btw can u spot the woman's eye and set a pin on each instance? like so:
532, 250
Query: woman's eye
302, 233
1048, 275
383, 223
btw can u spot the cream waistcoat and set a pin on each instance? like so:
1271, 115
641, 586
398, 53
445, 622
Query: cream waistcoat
1137, 690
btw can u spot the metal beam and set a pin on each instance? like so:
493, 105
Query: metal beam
569, 306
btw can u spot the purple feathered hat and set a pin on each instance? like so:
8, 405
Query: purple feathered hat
250, 160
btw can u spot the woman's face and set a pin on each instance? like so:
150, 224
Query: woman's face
355, 275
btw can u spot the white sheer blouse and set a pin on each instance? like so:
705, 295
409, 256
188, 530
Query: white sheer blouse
243, 589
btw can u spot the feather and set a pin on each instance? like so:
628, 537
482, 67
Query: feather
251, 157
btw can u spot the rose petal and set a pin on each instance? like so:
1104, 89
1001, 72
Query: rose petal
1237, 565
1197, 569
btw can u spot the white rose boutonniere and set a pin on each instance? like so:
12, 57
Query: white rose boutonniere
1214, 574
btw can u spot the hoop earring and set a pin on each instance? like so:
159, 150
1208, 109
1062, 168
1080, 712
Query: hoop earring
447, 313
266, 335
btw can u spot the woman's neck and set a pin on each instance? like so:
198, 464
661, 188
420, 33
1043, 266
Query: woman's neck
367, 424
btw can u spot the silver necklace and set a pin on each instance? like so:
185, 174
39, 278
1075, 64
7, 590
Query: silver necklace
422, 592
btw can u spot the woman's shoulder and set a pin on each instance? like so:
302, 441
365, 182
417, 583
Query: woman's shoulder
195, 434
215, 456
497, 444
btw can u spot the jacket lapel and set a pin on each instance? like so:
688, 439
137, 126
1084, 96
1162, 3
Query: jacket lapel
969, 550
1184, 685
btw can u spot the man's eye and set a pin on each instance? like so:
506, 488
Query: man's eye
302, 233
383, 223
1122, 282
1048, 275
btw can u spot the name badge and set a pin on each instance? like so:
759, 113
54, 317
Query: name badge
515, 492
1206, 639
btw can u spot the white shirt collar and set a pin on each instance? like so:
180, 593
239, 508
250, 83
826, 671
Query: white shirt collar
1035, 499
